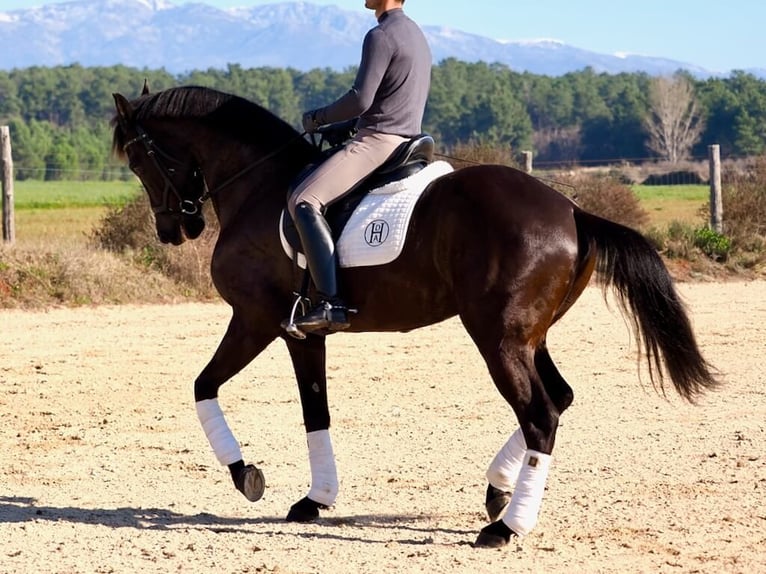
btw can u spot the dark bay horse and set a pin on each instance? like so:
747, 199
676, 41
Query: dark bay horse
500, 249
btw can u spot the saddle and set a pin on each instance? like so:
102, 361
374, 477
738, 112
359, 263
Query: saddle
409, 158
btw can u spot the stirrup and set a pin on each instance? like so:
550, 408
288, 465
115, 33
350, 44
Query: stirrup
289, 323
324, 317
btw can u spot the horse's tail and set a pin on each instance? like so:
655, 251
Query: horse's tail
627, 262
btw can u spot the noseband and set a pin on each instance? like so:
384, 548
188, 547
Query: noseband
185, 206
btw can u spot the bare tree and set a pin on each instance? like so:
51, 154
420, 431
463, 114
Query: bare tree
673, 122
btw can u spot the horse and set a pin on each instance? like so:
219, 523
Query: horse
493, 245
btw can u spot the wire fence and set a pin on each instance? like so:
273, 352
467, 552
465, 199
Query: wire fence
110, 173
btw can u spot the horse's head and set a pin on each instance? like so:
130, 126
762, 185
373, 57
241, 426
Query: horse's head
167, 169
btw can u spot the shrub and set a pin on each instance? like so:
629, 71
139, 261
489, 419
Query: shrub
471, 153
77, 275
604, 195
130, 230
676, 241
711, 243
744, 207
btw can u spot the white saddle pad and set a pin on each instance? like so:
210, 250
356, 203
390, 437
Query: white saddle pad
376, 231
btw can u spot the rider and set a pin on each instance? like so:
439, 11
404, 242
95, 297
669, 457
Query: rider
388, 97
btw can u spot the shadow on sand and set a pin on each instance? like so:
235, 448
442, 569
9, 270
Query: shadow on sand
19, 510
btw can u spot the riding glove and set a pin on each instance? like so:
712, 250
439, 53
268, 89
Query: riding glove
310, 122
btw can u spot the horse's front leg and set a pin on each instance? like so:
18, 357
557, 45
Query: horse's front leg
308, 357
239, 346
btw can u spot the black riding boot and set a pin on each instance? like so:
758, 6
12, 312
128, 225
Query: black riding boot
331, 314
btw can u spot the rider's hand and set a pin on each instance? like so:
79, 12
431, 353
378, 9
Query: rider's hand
310, 123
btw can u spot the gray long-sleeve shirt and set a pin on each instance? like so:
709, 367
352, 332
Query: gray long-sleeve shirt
391, 87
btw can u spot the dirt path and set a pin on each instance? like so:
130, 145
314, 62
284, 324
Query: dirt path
104, 467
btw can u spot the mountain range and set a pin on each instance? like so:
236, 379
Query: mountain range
179, 38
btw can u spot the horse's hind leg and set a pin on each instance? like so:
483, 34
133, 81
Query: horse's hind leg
510, 350
308, 357
504, 469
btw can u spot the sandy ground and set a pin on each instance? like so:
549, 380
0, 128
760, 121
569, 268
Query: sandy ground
104, 468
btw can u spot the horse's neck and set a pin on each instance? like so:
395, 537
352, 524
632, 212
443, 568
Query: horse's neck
259, 183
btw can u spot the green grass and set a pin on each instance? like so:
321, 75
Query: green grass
41, 195
54, 211
667, 203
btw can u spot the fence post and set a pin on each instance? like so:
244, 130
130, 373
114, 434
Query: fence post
6, 178
527, 155
716, 197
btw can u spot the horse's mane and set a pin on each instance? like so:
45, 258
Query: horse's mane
238, 117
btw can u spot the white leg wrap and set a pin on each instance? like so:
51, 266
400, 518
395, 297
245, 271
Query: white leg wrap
324, 476
225, 446
505, 467
527, 498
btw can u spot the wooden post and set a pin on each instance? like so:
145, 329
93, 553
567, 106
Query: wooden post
6, 177
527, 155
716, 198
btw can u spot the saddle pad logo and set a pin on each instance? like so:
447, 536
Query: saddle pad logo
376, 232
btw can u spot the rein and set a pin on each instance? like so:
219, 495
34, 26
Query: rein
208, 194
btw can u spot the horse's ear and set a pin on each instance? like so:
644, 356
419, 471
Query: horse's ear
124, 110
145, 91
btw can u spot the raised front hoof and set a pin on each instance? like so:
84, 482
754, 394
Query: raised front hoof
496, 535
496, 503
305, 510
251, 483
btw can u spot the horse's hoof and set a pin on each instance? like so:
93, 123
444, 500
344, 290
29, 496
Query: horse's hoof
496, 535
251, 483
496, 502
305, 510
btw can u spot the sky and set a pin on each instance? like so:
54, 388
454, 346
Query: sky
718, 36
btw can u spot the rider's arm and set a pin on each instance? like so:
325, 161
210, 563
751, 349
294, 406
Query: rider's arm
376, 56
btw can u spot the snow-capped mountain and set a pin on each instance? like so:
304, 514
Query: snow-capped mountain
301, 35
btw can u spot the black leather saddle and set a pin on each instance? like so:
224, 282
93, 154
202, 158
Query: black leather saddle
406, 160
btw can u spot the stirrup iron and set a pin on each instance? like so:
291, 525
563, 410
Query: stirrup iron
289, 324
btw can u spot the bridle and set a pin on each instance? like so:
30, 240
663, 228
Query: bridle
157, 154
188, 206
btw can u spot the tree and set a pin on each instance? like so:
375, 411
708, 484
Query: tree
673, 122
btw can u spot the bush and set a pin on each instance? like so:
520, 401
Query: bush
77, 275
604, 195
130, 230
713, 244
674, 242
744, 208
465, 154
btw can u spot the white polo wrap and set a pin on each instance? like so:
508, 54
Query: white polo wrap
505, 467
324, 476
225, 446
527, 498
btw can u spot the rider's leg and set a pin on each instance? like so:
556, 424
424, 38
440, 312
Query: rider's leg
319, 248
328, 183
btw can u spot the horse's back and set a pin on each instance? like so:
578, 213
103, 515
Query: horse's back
484, 237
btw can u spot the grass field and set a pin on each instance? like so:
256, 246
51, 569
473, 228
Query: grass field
30, 194
65, 210
68, 210
666, 203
